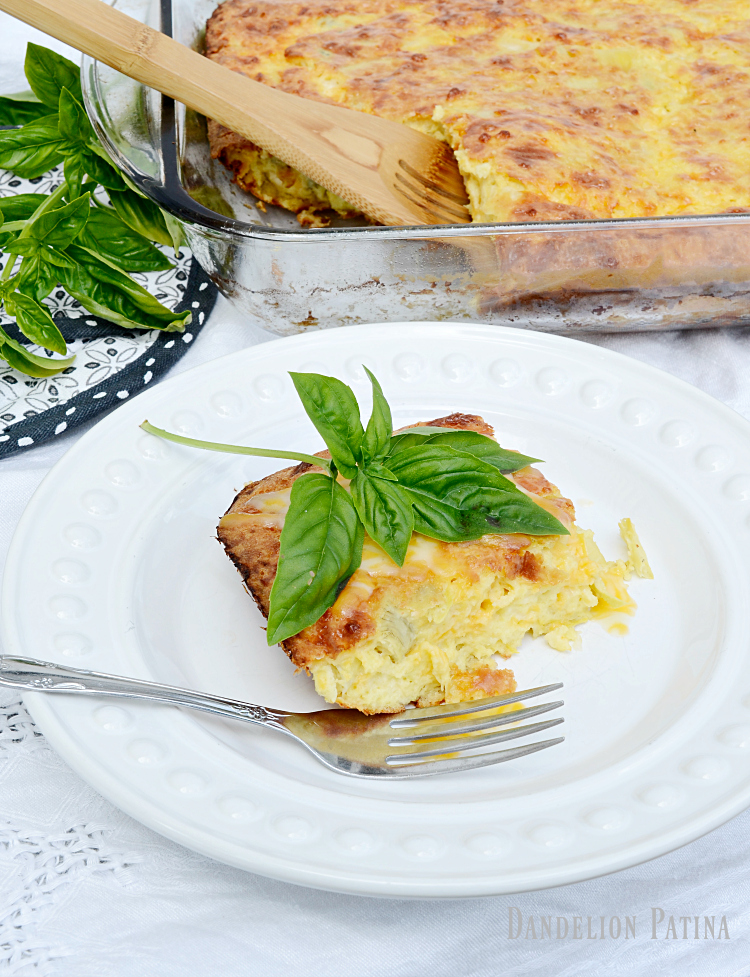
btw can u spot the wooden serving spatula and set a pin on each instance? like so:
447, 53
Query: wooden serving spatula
390, 172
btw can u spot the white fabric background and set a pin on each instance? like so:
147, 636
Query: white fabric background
85, 891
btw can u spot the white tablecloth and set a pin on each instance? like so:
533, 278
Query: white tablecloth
87, 892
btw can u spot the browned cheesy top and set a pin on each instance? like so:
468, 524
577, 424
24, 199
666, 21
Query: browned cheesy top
556, 109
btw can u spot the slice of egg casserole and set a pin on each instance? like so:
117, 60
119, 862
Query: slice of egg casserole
429, 632
555, 109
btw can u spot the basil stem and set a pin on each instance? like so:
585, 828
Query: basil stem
235, 449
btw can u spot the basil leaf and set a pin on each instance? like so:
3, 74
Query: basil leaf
378, 469
321, 546
48, 73
22, 206
74, 170
380, 426
23, 245
37, 276
103, 172
410, 439
511, 512
489, 513
479, 445
32, 365
386, 512
57, 259
35, 322
32, 150
60, 227
445, 473
73, 123
175, 231
107, 235
141, 214
464, 482
212, 199
17, 112
333, 409
104, 290
448, 523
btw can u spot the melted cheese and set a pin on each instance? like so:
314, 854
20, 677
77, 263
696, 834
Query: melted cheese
267, 509
437, 623
556, 109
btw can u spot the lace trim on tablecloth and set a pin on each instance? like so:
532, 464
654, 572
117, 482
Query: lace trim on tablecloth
17, 729
41, 862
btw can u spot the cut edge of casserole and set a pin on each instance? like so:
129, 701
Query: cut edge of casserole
432, 631
272, 181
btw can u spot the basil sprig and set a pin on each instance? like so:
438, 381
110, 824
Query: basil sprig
446, 484
76, 236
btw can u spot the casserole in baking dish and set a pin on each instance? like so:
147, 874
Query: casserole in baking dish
562, 275
556, 109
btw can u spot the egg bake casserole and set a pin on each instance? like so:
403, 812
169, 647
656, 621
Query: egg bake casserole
428, 632
556, 109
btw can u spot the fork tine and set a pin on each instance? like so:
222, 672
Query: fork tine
453, 729
430, 205
450, 711
463, 743
455, 210
429, 767
458, 195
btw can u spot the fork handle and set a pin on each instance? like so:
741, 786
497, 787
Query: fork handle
40, 676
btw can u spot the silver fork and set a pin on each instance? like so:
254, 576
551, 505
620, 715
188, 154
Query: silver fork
344, 740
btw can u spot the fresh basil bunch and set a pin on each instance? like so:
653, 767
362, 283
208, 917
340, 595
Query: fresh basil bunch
72, 237
446, 484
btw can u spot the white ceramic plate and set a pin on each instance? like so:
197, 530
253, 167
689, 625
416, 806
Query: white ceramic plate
114, 567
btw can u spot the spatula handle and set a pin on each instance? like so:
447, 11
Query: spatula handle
337, 147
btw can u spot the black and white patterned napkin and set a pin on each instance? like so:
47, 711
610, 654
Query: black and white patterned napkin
111, 364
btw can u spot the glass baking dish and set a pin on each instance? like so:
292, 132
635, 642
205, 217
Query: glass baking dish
567, 276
